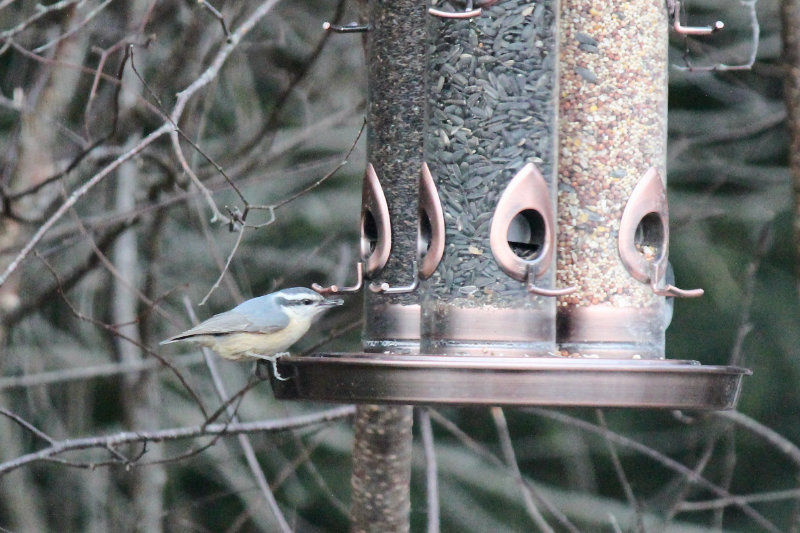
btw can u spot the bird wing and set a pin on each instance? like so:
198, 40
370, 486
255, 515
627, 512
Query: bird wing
232, 322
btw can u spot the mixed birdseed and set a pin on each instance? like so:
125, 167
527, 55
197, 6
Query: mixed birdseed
612, 129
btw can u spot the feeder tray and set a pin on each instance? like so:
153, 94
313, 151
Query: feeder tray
516, 381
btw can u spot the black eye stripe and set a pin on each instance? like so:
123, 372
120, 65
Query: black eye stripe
288, 303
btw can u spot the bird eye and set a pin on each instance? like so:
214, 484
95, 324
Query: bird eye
308, 301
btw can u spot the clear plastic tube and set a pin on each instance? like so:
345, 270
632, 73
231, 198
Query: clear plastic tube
612, 131
491, 117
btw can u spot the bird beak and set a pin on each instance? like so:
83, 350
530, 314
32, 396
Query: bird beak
331, 302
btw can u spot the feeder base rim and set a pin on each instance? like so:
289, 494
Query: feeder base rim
514, 381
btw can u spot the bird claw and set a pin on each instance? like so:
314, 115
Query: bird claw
277, 374
273, 360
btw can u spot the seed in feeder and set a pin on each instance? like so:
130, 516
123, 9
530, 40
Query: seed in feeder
583, 38
586, 74
507, 121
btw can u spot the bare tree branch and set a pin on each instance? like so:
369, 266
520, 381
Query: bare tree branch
67, 375
179, 433
166, 128
660, 458
431, 474
74, 197
775, 439
482, 451
623, 479
77, 27
41, 11
528, 493
122, 336
721, 503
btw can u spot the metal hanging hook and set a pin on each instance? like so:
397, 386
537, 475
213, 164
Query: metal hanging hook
693, 30
530, 285
384, 287
353, 27
662, 288
335, 289
455, 14
472, 9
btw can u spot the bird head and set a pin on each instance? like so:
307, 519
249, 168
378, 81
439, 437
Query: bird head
302, 303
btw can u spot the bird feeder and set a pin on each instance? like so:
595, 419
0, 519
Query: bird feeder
530, 201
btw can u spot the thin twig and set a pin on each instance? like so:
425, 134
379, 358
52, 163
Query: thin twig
175, 134
88, 18
236, 398
244, 440
728, 470
66, 375
511, 462
179, 433
41, 11
482, 451
778, 441
227, 265
266, 131
109, 266
320, 181
121, 335
748, 292
721, 503
304, 458
431, 474
698, 470
657, 456
623, 479
217, 15
27, 425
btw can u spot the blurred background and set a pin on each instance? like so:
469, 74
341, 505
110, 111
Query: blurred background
89, 93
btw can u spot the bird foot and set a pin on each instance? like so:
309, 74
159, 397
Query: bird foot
272, 359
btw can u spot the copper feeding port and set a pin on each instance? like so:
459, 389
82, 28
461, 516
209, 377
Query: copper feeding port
376, 233
644, 237
522, 236
430, 231
522, 233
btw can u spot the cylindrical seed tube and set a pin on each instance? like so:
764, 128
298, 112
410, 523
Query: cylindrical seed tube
612, 130
491, 118
395, 122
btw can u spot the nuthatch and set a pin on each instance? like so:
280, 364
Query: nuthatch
260, 328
